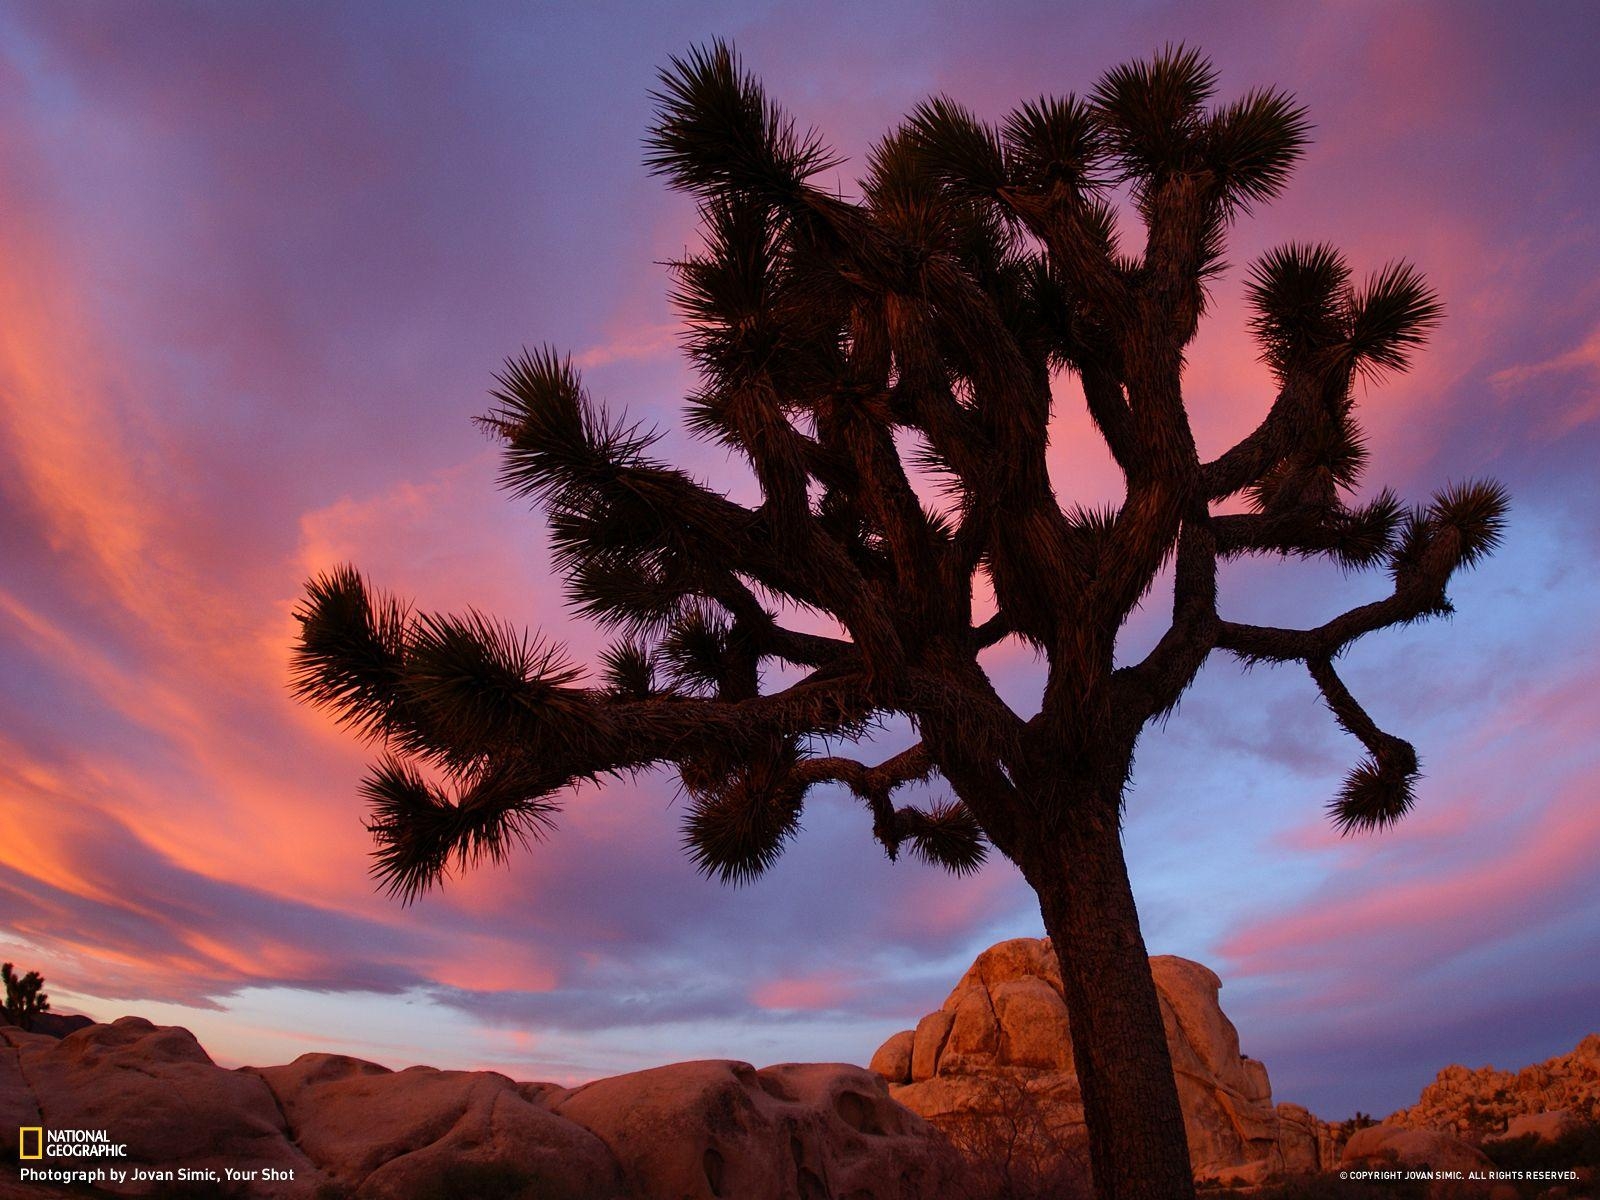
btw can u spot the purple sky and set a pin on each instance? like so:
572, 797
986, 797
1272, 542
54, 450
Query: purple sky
257, 265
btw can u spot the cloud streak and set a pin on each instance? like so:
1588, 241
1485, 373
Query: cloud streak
251, 305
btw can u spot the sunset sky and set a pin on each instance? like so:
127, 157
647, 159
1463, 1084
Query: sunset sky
258, 264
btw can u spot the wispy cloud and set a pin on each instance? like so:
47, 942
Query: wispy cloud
1580, 366
649, 342
251, 306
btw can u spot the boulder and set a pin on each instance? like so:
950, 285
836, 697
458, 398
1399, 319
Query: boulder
51, 1024
1305, 1142
974, 1031
348, 1128
153, 1088
797, 1132
1002, 1038
1383, 1145
1033, 1025
951, 1102
1544, 1127
18, 1107
893, 1059
1483, 1102
387, 1135
928, 1043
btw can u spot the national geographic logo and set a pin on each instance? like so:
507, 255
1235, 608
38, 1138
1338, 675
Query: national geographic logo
35, 1143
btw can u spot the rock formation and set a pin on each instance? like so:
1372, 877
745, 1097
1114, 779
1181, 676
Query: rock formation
52, 1024
152, 1088
348, 1128
1386, 1145
992, 1067
805, 1130
1481, 1103
1001, 1043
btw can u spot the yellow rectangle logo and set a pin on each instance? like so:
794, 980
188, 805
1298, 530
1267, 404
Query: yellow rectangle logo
38, 1142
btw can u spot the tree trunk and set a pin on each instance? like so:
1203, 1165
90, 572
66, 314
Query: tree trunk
1137, 1146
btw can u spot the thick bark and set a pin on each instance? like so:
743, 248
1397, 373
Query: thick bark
1137, 1146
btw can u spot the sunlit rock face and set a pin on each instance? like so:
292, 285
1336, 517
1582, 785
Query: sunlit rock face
330, 1126
1485, 1102
1001, 1041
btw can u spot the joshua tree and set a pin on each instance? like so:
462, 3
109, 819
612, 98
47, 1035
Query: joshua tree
888, 367
24, 1000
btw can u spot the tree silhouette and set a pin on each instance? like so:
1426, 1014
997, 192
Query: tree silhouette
24, 1000
848, 349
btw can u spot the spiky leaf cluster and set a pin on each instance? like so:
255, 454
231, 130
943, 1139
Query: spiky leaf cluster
889, 370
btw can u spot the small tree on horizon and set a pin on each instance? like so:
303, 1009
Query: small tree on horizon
844, 346
24, 999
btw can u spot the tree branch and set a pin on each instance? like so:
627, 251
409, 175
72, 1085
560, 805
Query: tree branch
1298, 403
1379, 791
1153, 686
1108, 406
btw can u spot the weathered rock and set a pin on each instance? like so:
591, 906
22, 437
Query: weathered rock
1258, 1086
18, 1107
1033, 1025
1401, 1146
1002, 1037
387, 1134
1197, 1027
1305, 1142
893, 1059
797, 1132
1481, 1103
974, 1031
950, 1101
51, 1024
153, 1088
1545, 1126
928, 1043
693, 1131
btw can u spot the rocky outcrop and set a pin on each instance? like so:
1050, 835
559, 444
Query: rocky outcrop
1389, 1145
51, 1024
155, 1090
348, 1128
803, 1131
386, 1134
1541, 1127
1481, 1103
1001, 1044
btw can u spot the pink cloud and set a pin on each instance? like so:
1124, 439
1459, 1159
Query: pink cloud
1582, 361
1384, 919
250, 306
829, 989
649, 341
1482, 858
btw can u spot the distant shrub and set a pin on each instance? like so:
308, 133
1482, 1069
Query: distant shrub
1344, 1129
